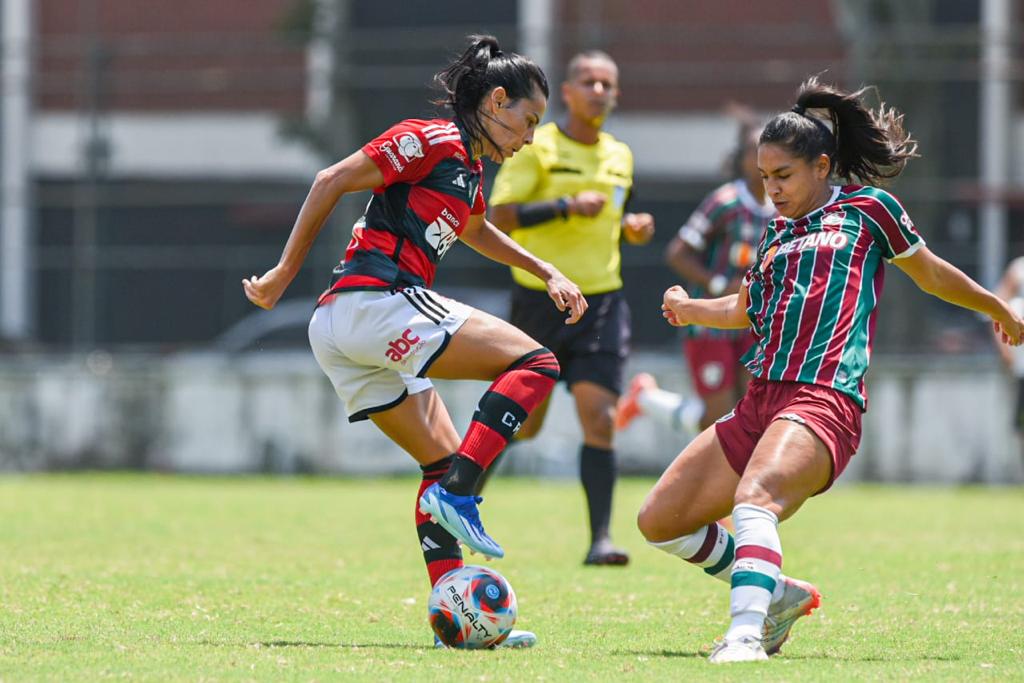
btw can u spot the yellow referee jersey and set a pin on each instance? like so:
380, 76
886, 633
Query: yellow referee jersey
586, 250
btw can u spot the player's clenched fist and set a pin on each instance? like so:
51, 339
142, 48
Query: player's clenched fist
671, 305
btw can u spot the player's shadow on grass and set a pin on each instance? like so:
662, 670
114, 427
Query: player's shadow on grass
813, 656
316, 644
659, 653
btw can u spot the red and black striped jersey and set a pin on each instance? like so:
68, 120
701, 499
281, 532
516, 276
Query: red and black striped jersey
432, 185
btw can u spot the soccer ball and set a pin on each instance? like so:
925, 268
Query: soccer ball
472, 608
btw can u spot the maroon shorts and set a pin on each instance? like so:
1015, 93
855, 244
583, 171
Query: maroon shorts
833, 416
715, 362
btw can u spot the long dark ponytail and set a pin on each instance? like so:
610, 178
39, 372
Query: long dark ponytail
862, 144
481, 68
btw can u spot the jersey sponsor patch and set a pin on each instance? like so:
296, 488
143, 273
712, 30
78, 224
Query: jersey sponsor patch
834, 218
388, 149
769, 255
440, 235
409, 146
816, 240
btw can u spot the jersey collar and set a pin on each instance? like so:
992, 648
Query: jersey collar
466, 142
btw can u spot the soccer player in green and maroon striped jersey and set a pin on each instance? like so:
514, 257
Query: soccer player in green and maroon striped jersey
810, 299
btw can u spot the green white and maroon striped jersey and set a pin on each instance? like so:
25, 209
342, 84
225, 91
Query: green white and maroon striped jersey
814, 289
724, 231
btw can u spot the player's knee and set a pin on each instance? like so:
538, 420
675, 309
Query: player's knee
658, 525
753, 491
540, 361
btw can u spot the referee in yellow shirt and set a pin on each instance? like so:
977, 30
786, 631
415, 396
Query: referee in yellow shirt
564, 199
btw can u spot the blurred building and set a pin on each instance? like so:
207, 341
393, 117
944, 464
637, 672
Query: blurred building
169, 144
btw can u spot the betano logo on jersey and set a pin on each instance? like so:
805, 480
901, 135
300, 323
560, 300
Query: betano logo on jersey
830, 240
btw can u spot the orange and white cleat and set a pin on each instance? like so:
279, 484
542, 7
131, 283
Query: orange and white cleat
799, 600
628, 408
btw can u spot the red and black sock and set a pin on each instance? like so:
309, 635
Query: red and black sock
502, 411
441, 551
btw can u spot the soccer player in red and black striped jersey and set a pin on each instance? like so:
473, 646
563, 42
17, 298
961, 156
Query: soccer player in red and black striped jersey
810, 299
380, 333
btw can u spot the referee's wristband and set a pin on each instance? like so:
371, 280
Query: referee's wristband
535, 213
717, 284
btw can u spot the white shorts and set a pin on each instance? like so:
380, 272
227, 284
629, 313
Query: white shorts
377, 346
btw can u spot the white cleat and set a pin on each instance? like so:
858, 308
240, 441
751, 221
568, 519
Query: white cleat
518, 639
746, 649
799, 599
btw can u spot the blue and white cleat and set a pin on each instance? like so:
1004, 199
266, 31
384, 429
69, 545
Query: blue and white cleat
458, 516
516, 640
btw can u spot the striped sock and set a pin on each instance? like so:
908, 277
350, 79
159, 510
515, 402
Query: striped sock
755, 574
710, 547
506, 405
441, 551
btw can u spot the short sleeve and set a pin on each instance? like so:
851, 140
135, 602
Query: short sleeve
890, 224
401, 153
517, 179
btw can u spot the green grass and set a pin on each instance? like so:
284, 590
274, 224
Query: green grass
166, 578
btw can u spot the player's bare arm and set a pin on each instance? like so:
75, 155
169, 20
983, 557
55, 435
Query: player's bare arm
485, 238
727, 312
941, 279
352, 174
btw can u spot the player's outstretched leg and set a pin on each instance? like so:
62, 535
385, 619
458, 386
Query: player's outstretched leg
628, 408
795, 599
755, 576
504, 407
643, 397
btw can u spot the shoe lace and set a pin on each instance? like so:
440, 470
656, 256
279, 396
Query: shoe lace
467, 508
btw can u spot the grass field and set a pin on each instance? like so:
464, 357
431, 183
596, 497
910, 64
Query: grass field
165, 578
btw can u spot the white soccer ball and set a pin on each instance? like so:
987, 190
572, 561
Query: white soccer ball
472, 608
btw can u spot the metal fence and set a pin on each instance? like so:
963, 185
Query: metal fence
144, 246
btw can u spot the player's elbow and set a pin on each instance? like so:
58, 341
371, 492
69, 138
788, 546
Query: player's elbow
504, 217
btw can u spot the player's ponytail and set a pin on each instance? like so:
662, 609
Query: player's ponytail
861, 143
481, 68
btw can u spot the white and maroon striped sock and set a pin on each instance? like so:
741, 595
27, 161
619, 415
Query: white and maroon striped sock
756, 571
710, 547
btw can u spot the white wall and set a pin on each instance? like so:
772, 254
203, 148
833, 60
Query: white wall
929, 421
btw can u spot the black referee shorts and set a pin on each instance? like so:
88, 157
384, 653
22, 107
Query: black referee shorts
592, 350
